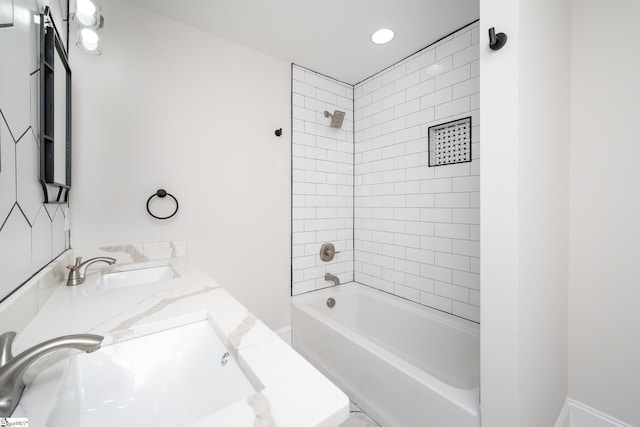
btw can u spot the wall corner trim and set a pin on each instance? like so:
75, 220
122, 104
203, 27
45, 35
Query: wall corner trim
577, 414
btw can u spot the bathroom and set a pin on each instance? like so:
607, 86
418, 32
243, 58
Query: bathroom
168, 105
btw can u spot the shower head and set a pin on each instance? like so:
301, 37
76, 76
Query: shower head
336, 118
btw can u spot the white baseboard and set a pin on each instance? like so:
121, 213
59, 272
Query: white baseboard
576, 414
285, 334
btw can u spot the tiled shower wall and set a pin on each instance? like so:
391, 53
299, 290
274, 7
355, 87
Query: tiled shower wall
417, 232
31, 233
322, 195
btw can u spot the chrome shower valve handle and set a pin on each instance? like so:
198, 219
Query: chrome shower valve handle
327, 252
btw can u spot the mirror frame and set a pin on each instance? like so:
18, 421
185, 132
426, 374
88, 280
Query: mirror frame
50, 46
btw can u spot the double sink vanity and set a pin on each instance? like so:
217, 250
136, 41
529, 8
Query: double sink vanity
177, 350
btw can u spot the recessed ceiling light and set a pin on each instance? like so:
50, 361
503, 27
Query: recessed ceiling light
382, 36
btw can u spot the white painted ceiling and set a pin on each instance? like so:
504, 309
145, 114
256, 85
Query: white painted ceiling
331, 37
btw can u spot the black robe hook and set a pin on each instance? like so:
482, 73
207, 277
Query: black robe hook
496, 41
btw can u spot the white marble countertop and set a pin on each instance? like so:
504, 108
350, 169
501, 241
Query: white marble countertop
290, 392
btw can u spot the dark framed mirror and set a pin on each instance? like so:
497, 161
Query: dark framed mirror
55, 112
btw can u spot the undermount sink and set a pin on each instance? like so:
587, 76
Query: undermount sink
173, 377
119, 279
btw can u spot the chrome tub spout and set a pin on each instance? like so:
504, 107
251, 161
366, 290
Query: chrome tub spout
331, 278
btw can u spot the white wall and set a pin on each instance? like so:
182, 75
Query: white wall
543, 144
417, 228
499, 323
524, 211
169, 106
604, 290
322, 194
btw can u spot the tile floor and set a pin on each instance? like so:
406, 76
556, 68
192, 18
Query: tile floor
358, 418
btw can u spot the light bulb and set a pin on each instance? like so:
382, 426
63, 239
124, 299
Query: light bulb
86, 7
89, 39
87, 13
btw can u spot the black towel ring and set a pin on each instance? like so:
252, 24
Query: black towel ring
162, 193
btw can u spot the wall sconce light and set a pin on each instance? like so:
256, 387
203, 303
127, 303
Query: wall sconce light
87, 14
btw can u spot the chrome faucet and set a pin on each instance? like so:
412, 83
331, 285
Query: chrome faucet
332, 278
78, 271
13, 368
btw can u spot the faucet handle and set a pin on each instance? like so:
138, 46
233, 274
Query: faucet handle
6, 341
327, 252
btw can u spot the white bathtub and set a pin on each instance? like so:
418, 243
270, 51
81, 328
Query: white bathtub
405, 364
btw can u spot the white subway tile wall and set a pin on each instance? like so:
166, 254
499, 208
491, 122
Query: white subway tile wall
416, 228
322, 199
401, 226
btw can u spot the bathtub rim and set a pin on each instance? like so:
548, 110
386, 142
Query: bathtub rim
467, 400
